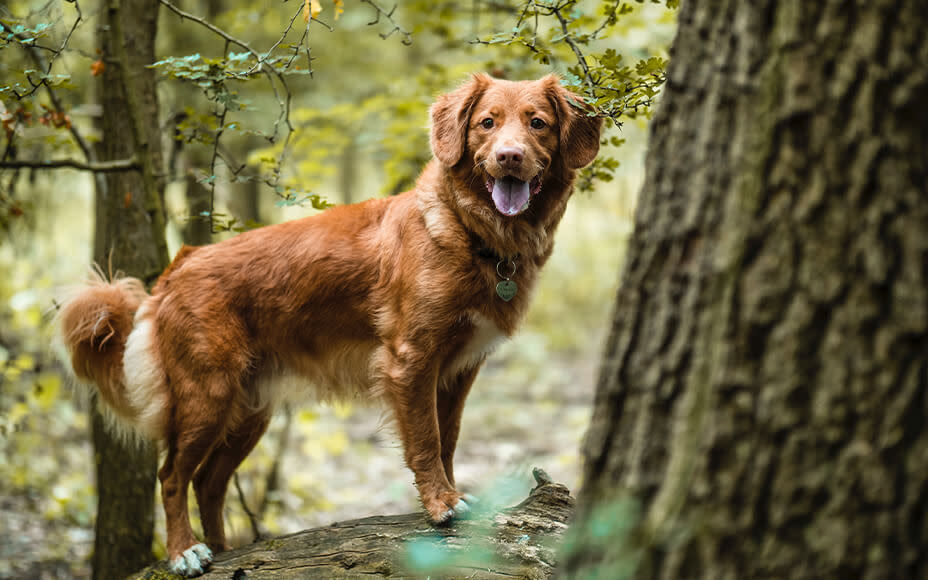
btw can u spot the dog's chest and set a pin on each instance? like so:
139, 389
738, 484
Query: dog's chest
484, 339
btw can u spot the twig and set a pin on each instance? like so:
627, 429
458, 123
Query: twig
388, 15
64, 43
273, 476
270, 51
252, 519
113, 166
270, 71
581, 59
267, 70
37, 58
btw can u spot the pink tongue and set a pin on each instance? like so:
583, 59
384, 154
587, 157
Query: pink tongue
510, 195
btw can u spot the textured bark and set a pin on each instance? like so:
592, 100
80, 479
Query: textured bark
522, 539
763, 395
130, 239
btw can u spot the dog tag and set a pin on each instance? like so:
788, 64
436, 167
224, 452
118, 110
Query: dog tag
506, 289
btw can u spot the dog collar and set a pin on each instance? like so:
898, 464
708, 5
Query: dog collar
505, 267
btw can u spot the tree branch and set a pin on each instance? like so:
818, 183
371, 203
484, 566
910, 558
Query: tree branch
267, 69
581, 58
388, 15
40, 63
113, 166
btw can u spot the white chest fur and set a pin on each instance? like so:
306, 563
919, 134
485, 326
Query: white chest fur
485, 339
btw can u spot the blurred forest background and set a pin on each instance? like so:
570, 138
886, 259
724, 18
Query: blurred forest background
359, 130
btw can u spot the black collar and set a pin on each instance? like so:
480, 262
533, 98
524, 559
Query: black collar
485, 252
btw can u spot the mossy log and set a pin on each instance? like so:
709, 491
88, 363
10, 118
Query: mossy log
518, 542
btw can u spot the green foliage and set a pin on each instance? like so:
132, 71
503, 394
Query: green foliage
16, 32
554, 30
607, 531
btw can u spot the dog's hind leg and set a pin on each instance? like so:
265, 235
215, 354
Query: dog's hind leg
198, 425
212, 477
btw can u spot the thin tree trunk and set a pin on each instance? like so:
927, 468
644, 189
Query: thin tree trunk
244, 197
761, 411
129, 238
198, 228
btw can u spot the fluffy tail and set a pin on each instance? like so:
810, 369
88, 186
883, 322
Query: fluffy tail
95, 324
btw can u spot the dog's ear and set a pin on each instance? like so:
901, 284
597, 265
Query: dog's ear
450, 118
579, 132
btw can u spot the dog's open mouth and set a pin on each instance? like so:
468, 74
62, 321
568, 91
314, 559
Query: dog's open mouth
511, 195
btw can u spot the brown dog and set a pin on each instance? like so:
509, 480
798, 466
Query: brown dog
399, 299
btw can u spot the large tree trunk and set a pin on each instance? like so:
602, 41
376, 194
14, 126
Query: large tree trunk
129, 238
763, 396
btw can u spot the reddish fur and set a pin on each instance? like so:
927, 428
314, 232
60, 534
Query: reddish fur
399, 276
95, 324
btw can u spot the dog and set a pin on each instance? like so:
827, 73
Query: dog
398, 299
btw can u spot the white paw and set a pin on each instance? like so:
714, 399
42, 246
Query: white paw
461, 507
445, 516
192, 562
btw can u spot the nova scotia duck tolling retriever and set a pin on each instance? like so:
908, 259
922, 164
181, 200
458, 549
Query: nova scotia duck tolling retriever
398, 299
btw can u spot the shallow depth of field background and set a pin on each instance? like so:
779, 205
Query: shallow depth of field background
531, 403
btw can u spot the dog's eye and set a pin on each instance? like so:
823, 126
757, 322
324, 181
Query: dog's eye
487, 123
538, 123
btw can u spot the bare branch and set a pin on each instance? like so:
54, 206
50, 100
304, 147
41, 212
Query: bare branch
388, 16
252, 518
113, 166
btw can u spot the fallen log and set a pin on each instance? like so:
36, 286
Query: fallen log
518, 542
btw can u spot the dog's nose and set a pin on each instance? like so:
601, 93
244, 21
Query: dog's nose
509, 156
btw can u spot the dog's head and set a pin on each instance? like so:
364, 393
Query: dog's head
513, 136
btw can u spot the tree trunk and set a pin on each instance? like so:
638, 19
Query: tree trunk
130, 239
517, 543
198, 228
762, 401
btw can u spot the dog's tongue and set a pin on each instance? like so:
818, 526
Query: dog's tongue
510, 195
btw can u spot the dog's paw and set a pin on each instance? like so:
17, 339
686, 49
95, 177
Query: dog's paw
448, 508
193, 561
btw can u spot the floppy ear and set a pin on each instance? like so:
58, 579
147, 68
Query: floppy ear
450, 118
579, 133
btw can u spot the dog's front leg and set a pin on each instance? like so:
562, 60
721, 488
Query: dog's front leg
450, 404
410, 379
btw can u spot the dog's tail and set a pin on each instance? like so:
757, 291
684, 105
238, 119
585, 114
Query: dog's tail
98, 327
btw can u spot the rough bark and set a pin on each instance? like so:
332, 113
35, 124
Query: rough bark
763, 394
523, 541
129, 238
